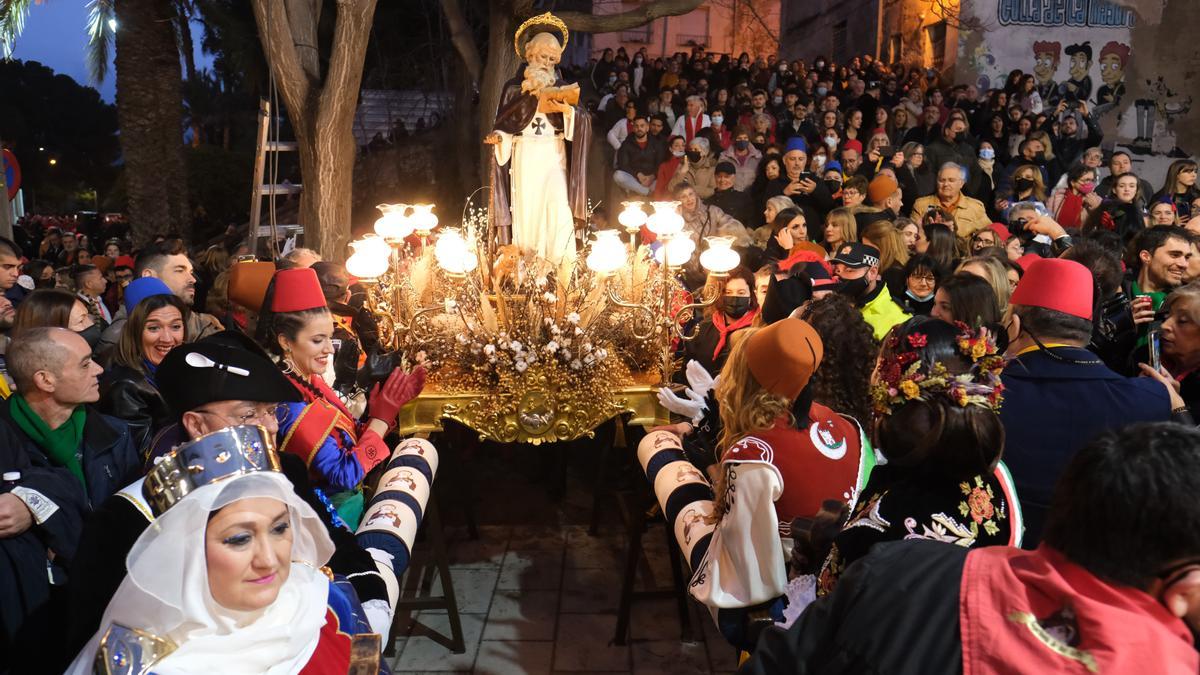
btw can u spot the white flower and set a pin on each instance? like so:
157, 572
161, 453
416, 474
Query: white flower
549, 321
451, 305
601, 354
462, 338
421, 357
489, 349
565, 354
554, 329
578, 330
491, 359
589, 360
549, 297
573, 317
516, 346
576, 365
551, 347
531, 357
521, 365
475, 349
587, 346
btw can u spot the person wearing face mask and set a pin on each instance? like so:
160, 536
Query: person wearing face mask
1072, 204
745, 158
56, 308
921, 277
734, 311
721, 132
696, 169
857, 268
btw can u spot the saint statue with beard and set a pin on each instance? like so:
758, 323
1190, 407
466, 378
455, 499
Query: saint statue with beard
540, 140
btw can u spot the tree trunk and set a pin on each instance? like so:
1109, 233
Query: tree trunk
321, 109
150, 112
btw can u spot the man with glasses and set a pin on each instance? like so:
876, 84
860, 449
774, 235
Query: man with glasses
969, 213
221, 381
1114, 589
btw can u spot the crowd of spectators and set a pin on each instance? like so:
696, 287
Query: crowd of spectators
951, 307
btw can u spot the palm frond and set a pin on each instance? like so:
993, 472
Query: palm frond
12, 22
102, 17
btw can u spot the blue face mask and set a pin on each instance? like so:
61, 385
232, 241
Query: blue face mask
821, 91
987, 153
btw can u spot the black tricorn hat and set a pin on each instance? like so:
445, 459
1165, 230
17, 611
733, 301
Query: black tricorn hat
195, 374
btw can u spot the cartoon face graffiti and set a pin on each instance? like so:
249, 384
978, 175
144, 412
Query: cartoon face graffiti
1113, 58
1045, 60
1112, 71
1081, 61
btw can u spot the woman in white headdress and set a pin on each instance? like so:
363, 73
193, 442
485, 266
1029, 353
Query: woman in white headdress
229, 580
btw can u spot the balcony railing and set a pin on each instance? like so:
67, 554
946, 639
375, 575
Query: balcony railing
686, 39
636, 36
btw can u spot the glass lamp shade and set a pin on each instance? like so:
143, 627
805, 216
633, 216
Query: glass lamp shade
665, 221
393, 225
453, 254
370, 259
633, 217
720, 257
679, 251
423, 219
607, 254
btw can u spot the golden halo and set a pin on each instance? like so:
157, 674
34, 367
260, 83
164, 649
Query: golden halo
546, 19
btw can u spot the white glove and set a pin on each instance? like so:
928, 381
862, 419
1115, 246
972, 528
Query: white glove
699, 380
692, 407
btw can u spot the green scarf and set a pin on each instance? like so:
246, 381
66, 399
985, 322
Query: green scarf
60, 444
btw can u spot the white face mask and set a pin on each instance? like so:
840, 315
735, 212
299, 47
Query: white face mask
677, 153
717, 119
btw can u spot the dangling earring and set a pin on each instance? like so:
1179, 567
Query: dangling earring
289, 368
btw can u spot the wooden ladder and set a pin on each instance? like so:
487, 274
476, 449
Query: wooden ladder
257, 231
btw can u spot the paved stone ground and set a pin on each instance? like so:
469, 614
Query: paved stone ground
537, 593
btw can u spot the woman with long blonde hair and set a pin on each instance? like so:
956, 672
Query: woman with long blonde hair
840, 227
783, 455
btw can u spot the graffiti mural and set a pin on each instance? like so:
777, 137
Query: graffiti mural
1083, 52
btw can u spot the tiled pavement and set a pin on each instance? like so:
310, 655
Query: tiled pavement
538, 594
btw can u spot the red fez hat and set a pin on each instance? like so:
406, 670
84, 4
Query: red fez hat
124, 261
297, 290
783, 356
1060, 285
852, 144
1001, 231
248, 282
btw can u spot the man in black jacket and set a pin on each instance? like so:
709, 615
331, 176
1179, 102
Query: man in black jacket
730, 200
638, 159
1106, 594
245, 387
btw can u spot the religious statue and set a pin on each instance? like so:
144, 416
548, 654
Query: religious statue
540, 140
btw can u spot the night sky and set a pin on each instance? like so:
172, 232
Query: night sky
56, 35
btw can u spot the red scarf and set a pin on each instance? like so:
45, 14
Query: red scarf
1071, 209
1012, 620
690, 128
723, 329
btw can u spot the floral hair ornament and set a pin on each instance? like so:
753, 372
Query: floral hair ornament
904, 377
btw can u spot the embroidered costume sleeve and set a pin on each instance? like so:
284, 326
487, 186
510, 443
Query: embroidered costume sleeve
329, 446
745, 564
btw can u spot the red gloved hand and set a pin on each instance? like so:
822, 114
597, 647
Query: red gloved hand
389, 397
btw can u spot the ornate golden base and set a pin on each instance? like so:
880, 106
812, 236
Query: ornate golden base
539, 412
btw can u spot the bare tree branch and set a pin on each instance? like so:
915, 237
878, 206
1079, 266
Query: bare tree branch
587, 22
276, 36
303, 18
463, 40
354, 18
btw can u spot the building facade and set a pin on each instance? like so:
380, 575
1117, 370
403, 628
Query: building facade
722, 26
920, 32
